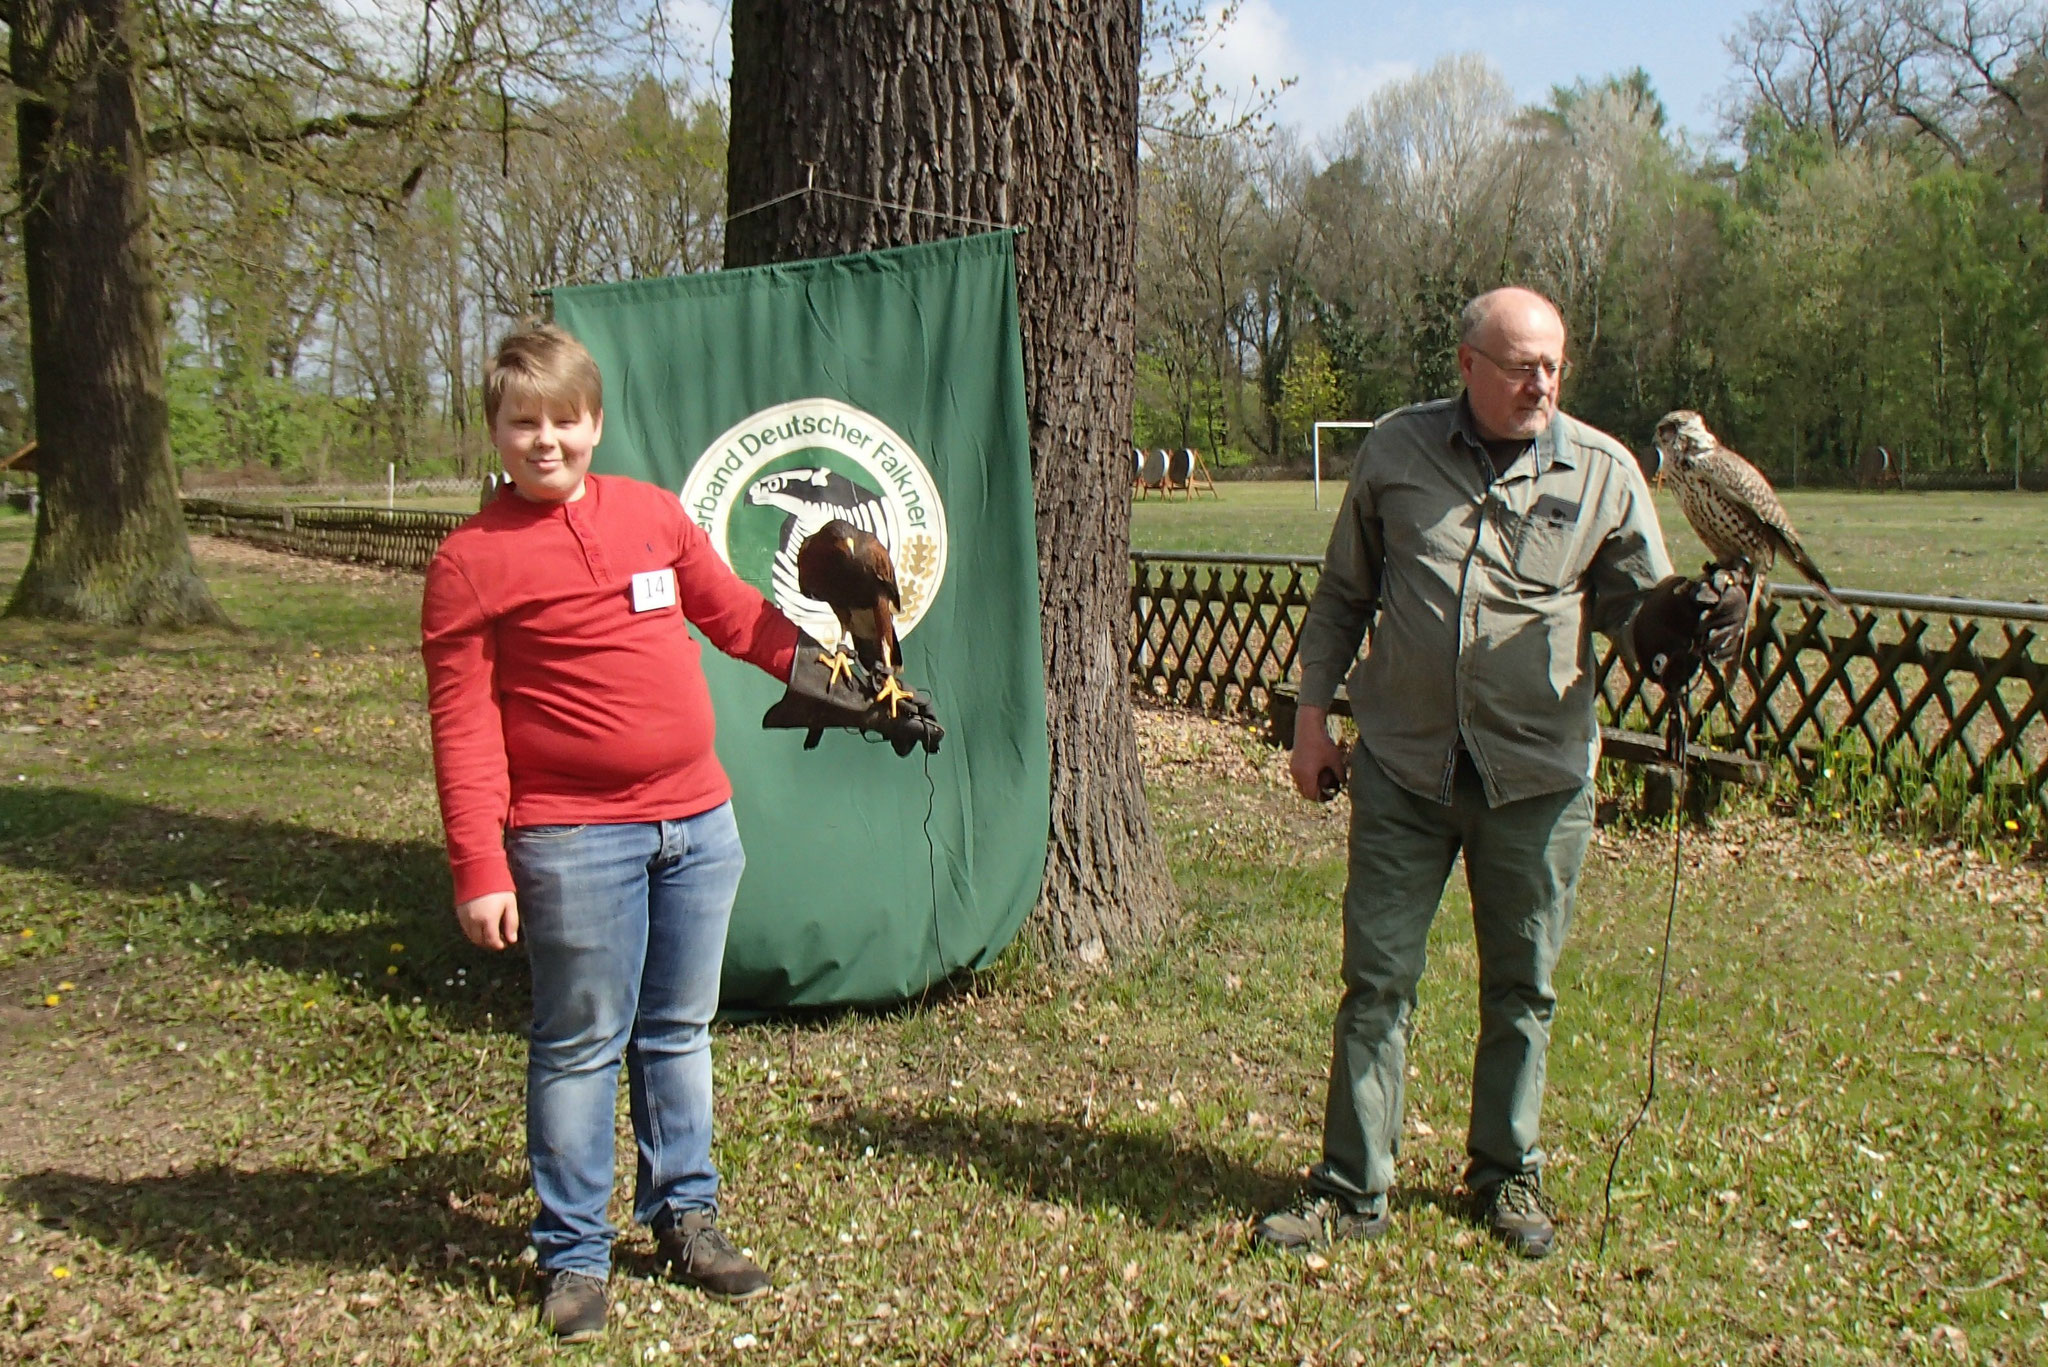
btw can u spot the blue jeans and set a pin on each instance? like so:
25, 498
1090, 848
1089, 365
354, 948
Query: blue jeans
625, 929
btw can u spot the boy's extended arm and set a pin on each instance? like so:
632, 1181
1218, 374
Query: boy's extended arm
731, 613
470, 768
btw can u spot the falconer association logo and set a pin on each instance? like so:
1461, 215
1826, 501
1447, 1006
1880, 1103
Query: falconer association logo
772, 479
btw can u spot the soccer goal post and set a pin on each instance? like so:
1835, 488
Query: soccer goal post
1316, 444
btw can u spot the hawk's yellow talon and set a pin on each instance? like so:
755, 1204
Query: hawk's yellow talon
892, 693
839, 662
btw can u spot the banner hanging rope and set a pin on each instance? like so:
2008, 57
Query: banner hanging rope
811, 187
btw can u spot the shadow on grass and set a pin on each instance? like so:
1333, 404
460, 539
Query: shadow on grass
426, 1217
1162, 1180
253, 890
1448, 1202
309, 901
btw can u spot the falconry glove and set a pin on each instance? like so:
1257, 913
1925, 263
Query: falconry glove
1684, 620
1726, 622
825, 692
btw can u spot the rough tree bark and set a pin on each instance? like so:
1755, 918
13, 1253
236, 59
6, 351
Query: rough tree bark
1016, 112
110, 541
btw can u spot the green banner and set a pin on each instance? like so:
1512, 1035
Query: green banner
887, 389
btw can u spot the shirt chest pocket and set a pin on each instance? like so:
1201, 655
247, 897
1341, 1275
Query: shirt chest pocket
1549, 545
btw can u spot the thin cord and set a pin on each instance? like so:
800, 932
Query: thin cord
1683, 703
932, 863
544, 295
932, 852
870, 202
768, 203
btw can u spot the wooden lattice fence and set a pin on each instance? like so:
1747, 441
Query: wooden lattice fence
1217, 632
340, 490
401, 538
1905, 691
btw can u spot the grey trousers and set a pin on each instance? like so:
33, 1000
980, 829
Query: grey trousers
1522, 864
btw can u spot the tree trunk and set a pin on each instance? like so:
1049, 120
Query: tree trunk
110, 541
1019, 112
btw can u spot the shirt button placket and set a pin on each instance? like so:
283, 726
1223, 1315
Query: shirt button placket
593, 548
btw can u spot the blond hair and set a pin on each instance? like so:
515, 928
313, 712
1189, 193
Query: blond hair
545, 363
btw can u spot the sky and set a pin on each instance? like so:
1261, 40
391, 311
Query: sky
1340, 51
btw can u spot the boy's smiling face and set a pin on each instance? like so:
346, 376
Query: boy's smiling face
546, 445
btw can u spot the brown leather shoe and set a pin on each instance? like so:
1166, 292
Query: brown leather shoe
573, 1309
1317, 1222
699, 1255
1516, 1213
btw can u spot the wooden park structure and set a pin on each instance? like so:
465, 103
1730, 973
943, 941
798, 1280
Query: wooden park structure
397, 538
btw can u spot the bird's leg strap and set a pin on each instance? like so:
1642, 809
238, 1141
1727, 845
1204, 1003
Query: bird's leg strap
1675, 729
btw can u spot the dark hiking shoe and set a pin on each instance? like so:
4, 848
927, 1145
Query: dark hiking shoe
573, 1309
698, 1255
1515, 1213
1318, 1222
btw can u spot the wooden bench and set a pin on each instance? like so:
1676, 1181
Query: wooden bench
1707, 767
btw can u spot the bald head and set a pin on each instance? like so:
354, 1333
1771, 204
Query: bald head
1509, 306
1511, 357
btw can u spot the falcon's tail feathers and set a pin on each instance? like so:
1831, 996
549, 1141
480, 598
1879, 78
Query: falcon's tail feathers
1803, 562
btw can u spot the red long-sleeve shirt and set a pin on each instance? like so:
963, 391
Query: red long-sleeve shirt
553, 701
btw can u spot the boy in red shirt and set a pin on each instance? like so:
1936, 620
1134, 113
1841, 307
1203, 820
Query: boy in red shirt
586, 812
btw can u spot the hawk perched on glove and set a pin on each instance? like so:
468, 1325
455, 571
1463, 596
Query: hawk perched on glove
1729, 503
849, 571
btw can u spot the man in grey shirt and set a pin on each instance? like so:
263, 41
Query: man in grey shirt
1483, 539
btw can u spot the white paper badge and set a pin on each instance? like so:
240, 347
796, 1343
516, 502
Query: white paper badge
654, 589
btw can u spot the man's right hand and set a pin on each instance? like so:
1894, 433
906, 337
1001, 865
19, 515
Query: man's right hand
1317, 763
490, 921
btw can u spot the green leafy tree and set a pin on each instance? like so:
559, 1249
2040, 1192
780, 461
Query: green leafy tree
107, 89
1309, 391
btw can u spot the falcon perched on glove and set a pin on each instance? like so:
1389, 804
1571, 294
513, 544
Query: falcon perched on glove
1733, 510
1729, 503
849, 571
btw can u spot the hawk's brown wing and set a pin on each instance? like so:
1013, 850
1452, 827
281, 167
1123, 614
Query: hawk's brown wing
873, 559
849, 570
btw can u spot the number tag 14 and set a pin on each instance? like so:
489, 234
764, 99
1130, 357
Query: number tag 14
654, 590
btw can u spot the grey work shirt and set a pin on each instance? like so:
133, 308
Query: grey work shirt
1482, 591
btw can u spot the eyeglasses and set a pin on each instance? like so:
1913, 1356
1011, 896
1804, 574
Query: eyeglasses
1522, 374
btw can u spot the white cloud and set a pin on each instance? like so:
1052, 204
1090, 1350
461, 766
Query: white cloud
1261, 45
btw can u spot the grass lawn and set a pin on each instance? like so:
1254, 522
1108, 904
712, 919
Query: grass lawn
1970, 545
264, 1106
